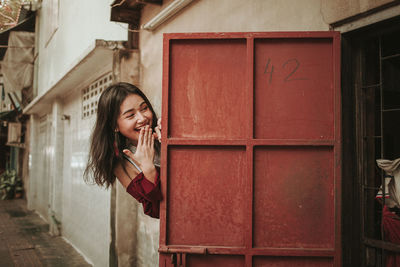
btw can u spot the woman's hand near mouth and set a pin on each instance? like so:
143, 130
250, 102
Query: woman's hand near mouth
157, 130
144, 155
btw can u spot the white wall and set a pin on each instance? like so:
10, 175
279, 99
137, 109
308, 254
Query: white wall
86, 208
79, 24
59, 154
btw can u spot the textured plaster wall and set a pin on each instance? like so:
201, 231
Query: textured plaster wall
337, 10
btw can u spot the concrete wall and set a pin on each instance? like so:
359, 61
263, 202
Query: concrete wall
333, 11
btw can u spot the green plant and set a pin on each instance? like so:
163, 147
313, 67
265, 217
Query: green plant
10, 184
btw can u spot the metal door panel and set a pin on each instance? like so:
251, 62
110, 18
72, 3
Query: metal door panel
251, 150
294, 89
207, 79
207, 196
293, 197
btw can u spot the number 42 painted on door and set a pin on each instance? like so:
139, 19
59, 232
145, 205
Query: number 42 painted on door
292, 65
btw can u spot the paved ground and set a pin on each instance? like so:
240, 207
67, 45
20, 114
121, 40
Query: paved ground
25, 241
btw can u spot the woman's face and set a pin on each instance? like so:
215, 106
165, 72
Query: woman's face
134, 114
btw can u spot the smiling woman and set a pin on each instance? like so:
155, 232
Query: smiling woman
123, 145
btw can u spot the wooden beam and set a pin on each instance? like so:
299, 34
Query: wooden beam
121, 14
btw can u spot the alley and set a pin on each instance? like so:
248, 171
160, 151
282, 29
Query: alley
25, 241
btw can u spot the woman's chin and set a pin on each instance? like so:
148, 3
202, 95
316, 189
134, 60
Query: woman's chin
133, 141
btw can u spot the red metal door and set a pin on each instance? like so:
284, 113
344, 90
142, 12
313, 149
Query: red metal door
251, 150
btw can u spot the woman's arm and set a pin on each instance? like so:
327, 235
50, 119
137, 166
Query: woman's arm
142, 189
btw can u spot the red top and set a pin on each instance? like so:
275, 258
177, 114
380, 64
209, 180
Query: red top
147, 193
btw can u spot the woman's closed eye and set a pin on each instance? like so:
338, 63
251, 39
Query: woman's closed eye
130, 115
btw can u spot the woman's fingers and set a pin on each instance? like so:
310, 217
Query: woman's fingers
159, 123
146, 136
151, 137
141, 136
128, 153
158, 133
147, 132
157, 129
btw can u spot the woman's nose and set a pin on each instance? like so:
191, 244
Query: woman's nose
140, 116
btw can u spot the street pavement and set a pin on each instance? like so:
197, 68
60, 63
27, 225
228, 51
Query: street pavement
25, 240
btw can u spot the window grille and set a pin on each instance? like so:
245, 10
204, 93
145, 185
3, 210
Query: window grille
380, 131
91, 94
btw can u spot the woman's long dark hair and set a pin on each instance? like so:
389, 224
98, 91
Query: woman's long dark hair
106, 145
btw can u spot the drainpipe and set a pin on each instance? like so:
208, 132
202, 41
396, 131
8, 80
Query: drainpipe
165, 14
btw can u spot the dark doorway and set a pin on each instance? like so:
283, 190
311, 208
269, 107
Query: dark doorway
371, 127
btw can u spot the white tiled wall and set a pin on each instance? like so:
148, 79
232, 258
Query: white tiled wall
86, 208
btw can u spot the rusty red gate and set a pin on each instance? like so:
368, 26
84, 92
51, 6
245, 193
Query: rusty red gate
251, 150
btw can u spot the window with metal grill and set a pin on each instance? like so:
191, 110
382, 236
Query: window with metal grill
379, 138
91, 94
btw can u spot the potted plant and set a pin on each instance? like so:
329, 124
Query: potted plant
10, 185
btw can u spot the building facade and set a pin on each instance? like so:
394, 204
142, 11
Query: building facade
79, 50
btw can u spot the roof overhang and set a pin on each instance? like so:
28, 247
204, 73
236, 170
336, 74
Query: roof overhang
97, 58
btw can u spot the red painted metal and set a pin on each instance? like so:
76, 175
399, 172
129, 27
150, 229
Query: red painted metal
251, 149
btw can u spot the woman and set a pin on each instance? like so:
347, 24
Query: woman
123, 147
